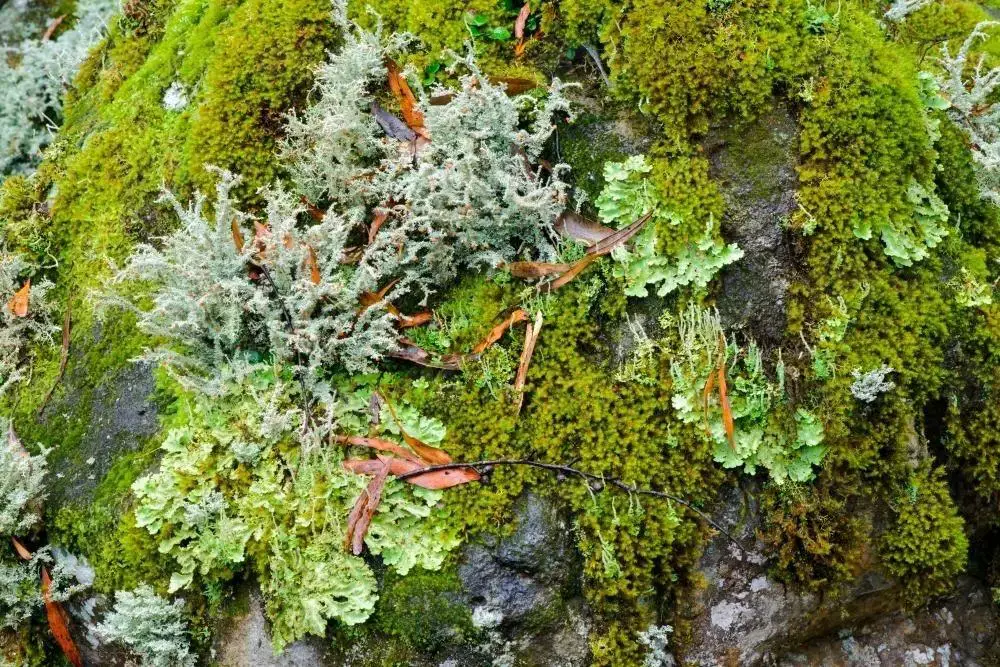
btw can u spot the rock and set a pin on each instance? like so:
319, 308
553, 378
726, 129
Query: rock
246, 642
523, 591
962, 629
754, 165
120, 414
744, 617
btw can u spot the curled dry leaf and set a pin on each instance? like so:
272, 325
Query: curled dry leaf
315, 212
497, 332
238, 240
364, 509
521, 21
379, 444
380, 218
430, 454
407, 102
410, 351
312, 266
59, 622
514, 85
572, 225
19, 302
572, 272
536, 269
609, 243
530, 339
432, 479
410, 321
53, 26
20, 549
392, 125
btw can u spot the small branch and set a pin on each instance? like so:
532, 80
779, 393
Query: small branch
63, 358
595, 482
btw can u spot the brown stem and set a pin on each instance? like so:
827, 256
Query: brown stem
581, 474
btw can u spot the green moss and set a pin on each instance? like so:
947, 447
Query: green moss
633, 549
926, 547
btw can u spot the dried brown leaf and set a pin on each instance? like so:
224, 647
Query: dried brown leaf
497, 332
572, 272
536, 269
312, 265
609, 243
21, 550
407, 102
19, 302
435, 479
521, 21
238, 240
572, 225
53, 26
379, 444
364, 509
59, 622
530, 340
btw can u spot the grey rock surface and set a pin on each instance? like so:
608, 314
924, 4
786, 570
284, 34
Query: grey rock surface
754, 166
246, 642
744, 617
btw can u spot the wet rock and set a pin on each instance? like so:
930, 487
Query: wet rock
508, 580
754, 165
744, 617
246, 642
120, 414
962, 629
524, 591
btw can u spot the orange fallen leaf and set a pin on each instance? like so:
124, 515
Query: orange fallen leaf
312, 265
407, 102
514, 85
430, 454
19, 302
238, 240
364, 509
21, 550
536, 269
379, 444
315, 212
59, 622
497, 332
574, 270
727, 412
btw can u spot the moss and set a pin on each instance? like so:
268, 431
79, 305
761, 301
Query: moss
634, 549
926, 546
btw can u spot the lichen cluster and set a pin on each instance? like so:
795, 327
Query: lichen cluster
875, 412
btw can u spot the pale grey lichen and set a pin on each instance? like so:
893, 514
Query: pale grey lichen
656, 639
867, 386
34, 74
973, 106
151, 627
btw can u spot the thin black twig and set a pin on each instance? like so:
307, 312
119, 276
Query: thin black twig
594, 481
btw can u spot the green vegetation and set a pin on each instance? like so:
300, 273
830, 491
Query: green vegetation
894, 239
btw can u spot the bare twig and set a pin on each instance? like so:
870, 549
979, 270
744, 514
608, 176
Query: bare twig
594, 481
63, 357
